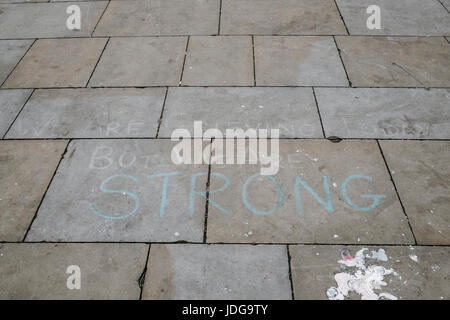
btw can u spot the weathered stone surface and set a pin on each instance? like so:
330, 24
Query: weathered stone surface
10, 53
446, 3
421, 173
11, 101
183, 271
38, 270
385, 113
90, 113
26, 168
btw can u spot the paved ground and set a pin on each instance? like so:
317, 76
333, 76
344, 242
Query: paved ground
85, 160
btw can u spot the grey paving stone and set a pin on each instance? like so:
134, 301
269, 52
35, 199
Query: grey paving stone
292, 61
219, 61
396, 61
421, 173
90, 113
184, 271
11, 101
140, 62
446, 3
57, 63
245, 207
160, 17
292, 110
26, 168
38, 270
399, 17
385, 113
46, 20
102, 192
314, 268
10, 53
282, 17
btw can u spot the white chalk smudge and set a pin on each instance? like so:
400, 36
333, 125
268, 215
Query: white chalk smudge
414, 258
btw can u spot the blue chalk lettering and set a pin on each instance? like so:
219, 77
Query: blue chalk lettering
254, 210
327, 205
203, 194
376, 197
164, 191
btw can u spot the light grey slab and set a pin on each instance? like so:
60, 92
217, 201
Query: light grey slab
421, 173
385, 113
38, 270
11, 102
291, 110
11, 51
399, 17
90, 113
446, 3
184, 271
298, 61
102, 192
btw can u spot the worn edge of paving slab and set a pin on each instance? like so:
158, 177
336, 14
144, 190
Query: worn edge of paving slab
15, 50
11, 102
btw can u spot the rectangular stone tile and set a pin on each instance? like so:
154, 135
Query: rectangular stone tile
219, 61
291, 110
140, 62
90, 113
11, 51
282, 17
446, 4
324, 192
421, 173
298, 61
396, 62
26, 169
409, 273
160, 17
385, 113
122, 190
39, 270
46, 20
11, 101
186, 271
57, 63
399, 17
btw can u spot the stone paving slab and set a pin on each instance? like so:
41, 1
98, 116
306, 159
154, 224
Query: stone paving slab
90, 113
184, 271
38, 270
399, 17
11, 101
422, 272
396, 61
219, 61
386, 113
46, 20
446, 3
282, 17
57, 63
102, 192
10, 53
159, 17
140, 62
26, 169
361, 206
421, 173
302, 61
246, 108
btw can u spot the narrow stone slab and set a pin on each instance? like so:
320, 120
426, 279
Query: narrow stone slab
421, 173
419, 273
303, 61
47, 20
38, 270
140, 62
400, 17
385, 113
396, 62
57, 63
160, 18
122, 190
186, 271
10, 53
282, 17
90, 113
245, 108
219, 61
11, 101
292, 206
26, 168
